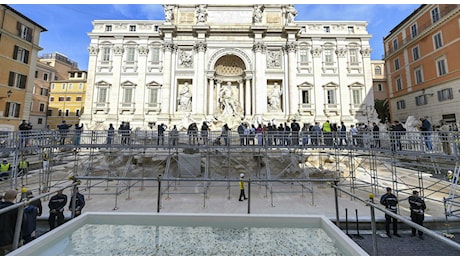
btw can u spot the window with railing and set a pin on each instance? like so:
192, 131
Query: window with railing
106, 54
17, 80
12, 109
445, 94
21, 55
155, 55
396, 64
330, 96
399, 85
418, 73
401, 104
328, 58
24, 32
435, 15
416, 53
420, 100
356, 96
437, 40
127, 97
101, 96
303, 52
413, 30
153, 97
441, 66
353, 56
395, 44
130, 54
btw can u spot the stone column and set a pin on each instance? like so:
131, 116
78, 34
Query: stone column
343, 92
168, 47
241, 95
248, 107
291, 48
199, 97
116, 92
218, 87
319, 92
211, 96
141, 91
260, 84
90, 99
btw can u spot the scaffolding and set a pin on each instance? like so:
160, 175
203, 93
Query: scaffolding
358, 167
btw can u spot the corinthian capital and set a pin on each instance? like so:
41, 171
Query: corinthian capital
118, 50
93, 50
143, 50
200, 46
341, 52
291, 47
169, 46
259, 46
366, 52
316, 52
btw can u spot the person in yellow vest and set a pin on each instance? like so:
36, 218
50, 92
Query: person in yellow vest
23, 167
242, 194
327, 133
5, 169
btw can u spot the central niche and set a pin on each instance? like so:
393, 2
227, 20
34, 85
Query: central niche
230, 65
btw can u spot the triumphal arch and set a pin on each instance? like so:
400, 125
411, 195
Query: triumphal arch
227, 64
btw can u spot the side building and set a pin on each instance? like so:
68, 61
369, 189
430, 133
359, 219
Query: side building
67, 99
50, 67
423, 65
227, 64
44, 73
19, 46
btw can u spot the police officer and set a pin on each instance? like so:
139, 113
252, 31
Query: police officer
417, 209
5, 169
390, 201
56, 205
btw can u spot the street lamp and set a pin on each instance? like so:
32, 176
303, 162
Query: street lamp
8, 94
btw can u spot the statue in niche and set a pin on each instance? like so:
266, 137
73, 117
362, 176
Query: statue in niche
227, 101
185, 98
291, 13
201, 14
258, 10
274, 98
169, 14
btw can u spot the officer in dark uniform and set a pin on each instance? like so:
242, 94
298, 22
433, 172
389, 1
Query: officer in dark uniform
417, 209
390, 201
56, 205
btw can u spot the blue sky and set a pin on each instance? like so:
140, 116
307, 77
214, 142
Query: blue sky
68, 25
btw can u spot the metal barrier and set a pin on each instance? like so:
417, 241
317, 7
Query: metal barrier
21, 205
373, 206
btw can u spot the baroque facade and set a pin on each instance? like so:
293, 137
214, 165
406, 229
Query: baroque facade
227, 64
